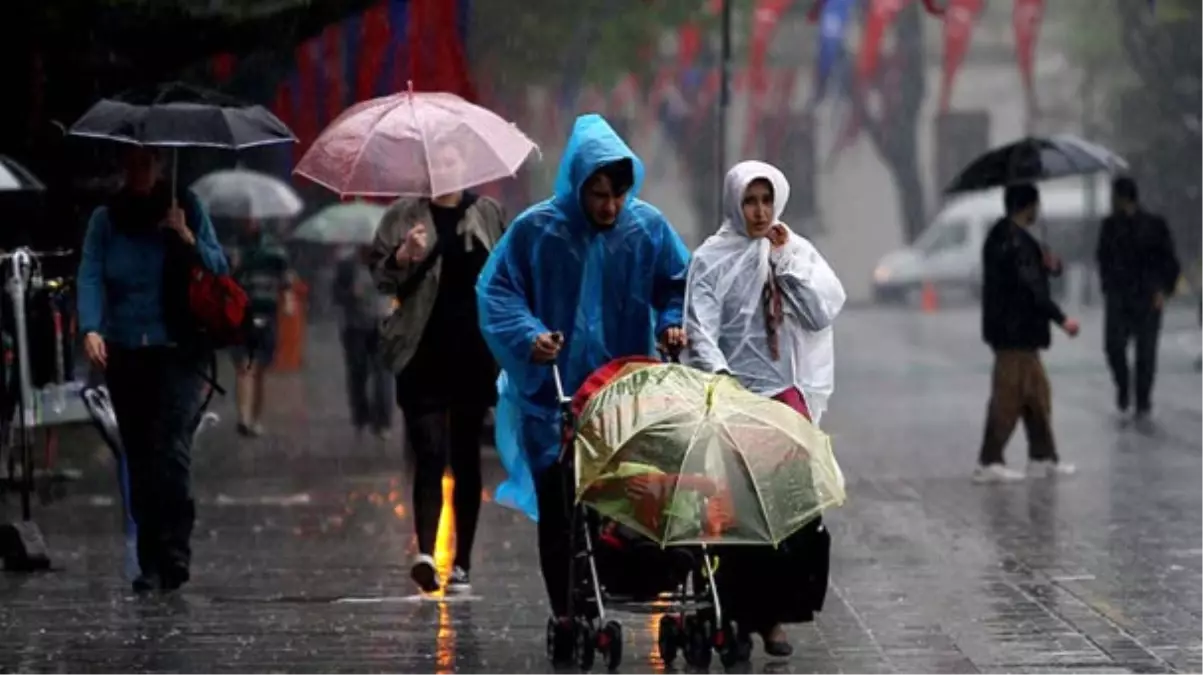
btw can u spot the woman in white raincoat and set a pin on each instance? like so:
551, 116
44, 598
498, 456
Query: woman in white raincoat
760, 300
759, 305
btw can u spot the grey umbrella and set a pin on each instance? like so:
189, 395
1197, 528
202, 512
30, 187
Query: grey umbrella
16, 178
245, 194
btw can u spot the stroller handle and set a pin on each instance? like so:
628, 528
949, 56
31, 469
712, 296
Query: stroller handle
555, 374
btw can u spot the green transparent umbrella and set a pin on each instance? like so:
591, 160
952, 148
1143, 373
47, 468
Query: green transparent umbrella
685, 457
348, 223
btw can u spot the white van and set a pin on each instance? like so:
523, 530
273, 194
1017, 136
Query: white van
948, 254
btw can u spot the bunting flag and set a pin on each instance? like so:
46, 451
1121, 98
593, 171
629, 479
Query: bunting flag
881, 16
1026, 17
370, 54
765, 19
833, 19
959, 19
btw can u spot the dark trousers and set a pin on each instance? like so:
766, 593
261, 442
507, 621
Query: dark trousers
438, 436
1127, 322
369, 383
156, 395
1019, 389
762, 586
553, 493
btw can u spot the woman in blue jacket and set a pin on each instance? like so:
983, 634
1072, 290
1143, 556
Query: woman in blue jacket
133, 312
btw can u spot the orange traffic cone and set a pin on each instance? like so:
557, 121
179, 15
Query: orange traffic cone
929, 300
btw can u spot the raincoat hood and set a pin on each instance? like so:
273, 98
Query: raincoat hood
592, 145
736, 184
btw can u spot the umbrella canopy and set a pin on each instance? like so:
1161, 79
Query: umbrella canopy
16, 178
351, 223
414, 144
178, 115
243, 194
1036, 159
684, 457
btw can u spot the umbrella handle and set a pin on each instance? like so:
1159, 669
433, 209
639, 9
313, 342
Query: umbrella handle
175, 175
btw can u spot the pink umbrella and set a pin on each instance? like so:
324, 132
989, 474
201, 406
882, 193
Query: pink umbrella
414, 144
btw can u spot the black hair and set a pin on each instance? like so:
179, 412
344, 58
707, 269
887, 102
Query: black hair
621, 174
1124, 187
1016, 198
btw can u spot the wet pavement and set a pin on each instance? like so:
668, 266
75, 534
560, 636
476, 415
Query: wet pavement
304, 538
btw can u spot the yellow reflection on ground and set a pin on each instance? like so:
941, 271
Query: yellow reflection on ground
444, 557
444, 542
654, 658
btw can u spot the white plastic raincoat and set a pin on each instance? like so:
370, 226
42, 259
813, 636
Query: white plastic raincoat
724, 311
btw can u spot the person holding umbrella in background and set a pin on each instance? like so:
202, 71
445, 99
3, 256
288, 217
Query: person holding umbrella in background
1139, 270
430, 149
1016, 312
133, 333
251, 199
428, 254
135, 286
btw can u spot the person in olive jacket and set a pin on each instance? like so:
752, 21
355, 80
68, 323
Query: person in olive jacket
1017, 310
1139, 270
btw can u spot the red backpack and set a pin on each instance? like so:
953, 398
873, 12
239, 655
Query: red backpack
218, 306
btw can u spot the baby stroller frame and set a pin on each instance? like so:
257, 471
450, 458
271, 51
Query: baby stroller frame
689, 615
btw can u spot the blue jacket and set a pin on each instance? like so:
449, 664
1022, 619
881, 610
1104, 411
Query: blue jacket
120, 280
610, 292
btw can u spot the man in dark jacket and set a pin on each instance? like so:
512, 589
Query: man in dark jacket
1016, 312
1139, 271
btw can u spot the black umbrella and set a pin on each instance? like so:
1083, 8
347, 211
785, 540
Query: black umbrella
16, 178
177, 115
1036, 159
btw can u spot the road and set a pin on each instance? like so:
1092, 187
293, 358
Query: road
304, 538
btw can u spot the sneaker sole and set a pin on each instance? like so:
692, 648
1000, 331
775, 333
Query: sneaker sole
459, 589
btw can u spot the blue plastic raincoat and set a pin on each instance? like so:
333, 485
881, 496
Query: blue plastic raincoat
610, 292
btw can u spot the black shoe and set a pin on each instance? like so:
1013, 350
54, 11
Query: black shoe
778, 648
460, 582
146, 583
171, 579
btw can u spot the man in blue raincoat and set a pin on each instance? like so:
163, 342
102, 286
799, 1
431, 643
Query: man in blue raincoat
592, 274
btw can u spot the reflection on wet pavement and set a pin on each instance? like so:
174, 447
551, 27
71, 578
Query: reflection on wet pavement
305, 538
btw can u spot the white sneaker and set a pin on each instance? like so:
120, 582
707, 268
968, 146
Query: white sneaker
995, 473
1045, 468
424, 574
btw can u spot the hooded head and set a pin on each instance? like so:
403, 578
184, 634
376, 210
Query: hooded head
754, 197
599, 174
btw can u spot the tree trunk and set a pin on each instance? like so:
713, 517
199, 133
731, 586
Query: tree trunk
903, 85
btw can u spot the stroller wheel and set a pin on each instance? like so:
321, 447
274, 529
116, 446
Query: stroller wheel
670, 638
699, 649
609, 641
586, 644
732, 647
560, 641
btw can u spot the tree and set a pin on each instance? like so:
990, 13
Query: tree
1142, 66
901, 88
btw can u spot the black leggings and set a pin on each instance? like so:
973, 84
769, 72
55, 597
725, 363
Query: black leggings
437, 435
555, 528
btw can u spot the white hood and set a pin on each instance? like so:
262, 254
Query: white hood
724, 314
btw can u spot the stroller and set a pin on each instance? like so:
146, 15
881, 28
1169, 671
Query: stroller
615, 567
